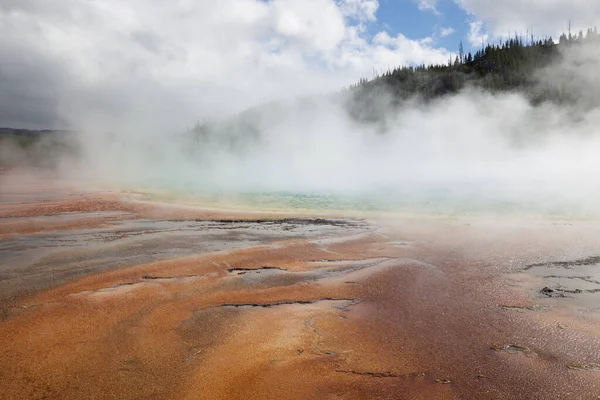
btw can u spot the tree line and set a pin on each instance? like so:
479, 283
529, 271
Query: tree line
509, 65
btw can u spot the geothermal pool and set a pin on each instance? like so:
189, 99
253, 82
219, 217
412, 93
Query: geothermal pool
424, 201
121, 294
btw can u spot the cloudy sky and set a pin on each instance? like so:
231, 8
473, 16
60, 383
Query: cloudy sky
151, 64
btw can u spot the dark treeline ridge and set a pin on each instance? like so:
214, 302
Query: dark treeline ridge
519, 64
26, 137
507, 66
36, 148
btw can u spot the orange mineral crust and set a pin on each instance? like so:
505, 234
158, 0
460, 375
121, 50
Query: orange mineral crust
108, 296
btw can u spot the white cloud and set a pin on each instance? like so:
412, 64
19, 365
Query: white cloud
318, 25
427, 5
446, 31
359, 9
401, 50
477, 36
167, 63
544, 17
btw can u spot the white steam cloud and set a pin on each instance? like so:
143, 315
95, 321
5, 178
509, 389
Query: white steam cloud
471, 144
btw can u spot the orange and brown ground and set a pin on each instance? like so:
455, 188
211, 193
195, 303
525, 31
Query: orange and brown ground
107, 296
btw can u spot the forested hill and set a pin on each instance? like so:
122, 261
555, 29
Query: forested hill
511, 65
563, 72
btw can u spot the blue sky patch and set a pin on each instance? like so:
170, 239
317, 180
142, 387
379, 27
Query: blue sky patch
405, 17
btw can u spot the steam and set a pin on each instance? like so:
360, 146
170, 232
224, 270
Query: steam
282, 127
474, 145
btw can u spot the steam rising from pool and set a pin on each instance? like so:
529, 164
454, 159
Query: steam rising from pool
469, 152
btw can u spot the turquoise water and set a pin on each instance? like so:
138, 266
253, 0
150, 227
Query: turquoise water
440, 202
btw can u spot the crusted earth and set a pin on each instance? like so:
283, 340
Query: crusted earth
105, 295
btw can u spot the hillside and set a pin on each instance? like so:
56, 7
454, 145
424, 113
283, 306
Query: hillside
510, 66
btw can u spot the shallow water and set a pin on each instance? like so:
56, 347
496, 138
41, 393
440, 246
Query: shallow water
54, 256
433, 201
